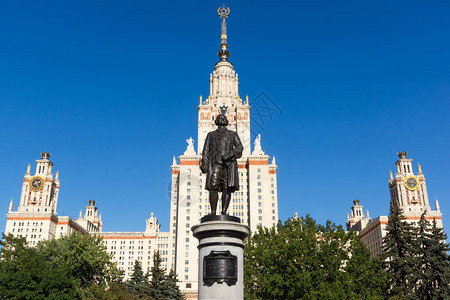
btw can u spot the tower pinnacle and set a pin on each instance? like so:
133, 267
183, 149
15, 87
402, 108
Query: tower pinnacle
11, 205
223, 53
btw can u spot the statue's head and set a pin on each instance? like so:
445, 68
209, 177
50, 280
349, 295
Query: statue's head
221, 120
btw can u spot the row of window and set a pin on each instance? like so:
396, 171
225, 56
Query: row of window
28, 224
124, 242
32, 229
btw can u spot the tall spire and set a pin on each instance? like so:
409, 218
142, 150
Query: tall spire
223, 53
11, 205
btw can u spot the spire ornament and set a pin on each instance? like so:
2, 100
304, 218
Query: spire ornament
436, 203
402, 154
223, 53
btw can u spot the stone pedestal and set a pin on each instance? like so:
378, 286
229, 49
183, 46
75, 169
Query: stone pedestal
221, 257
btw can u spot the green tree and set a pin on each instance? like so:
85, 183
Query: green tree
138, 284
158, 278
367, 276
163, 287
171, 288
114, 291
302, 259
85, 255
424, 240
401, 251
440, 263
25, 274
434, 261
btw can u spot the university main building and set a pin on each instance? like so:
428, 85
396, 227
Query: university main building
256, 202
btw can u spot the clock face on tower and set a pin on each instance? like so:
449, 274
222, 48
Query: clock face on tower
411, 183
36, 183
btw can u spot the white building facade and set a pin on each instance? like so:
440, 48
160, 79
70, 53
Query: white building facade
256, 201
128, 247
409, 191
36, 219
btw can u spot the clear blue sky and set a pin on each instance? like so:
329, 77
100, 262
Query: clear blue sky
110, 88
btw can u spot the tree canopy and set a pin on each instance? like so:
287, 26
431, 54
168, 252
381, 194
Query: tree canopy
163, 286
303, 259
416, 258
25, 274
76, 267
86, 256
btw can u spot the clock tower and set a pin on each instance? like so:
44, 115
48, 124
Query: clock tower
409, 190
40, 191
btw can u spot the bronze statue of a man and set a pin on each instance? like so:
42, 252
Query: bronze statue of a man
222, 148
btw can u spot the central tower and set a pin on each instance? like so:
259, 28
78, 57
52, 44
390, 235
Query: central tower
224, 96
256, 201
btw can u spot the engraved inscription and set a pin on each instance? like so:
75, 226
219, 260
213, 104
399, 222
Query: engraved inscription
220, 266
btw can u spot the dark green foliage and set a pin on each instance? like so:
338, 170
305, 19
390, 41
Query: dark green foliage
367, 277
401, 250
24, 274
416, 258
163, 287
423, 239
114, 291
138, 284
438, 274
85, 255
157, 278
434, 262
72, 267
76, 267
172, 290
302, 259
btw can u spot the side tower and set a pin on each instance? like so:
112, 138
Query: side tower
356, 221
92, 220
409, 191
40, 191
35, 218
